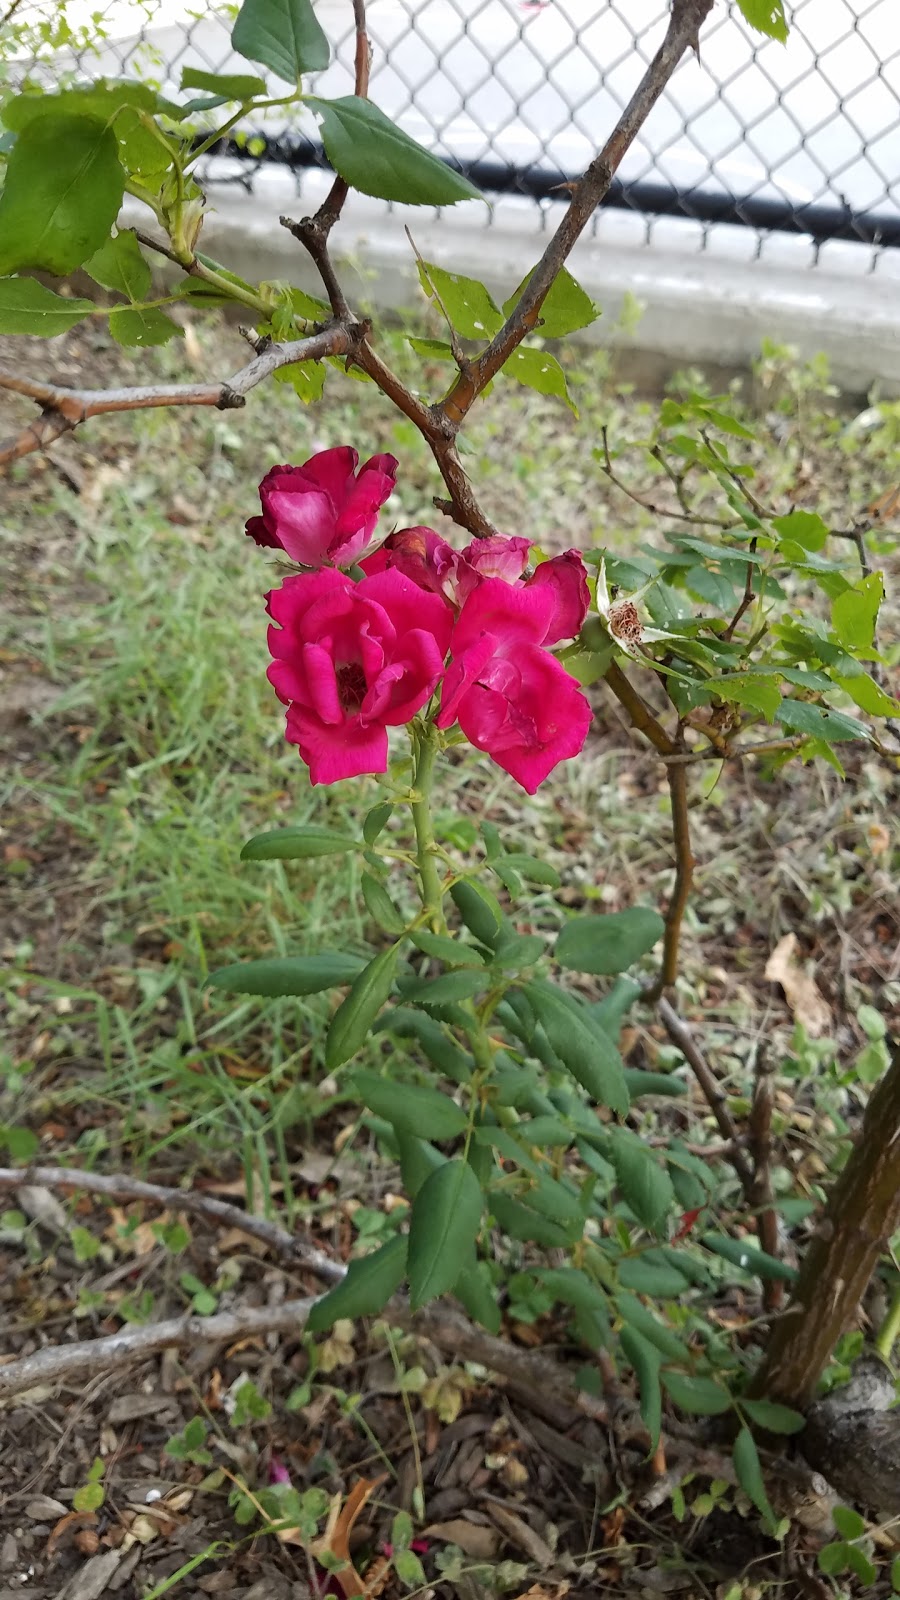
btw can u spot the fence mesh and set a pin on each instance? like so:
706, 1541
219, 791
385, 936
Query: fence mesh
802, 137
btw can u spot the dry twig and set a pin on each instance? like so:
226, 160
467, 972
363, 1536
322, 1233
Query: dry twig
117, 1186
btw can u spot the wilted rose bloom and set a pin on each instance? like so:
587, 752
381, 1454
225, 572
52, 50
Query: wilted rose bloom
323, 513
510, 696
352, 660
431, 562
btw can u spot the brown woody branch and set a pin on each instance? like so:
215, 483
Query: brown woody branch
63, 409
89, 1357
682, 33
763, 1197
218, 1213
715, 1096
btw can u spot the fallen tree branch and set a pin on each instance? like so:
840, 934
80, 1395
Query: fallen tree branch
217, 1212
90, 1357
64, 409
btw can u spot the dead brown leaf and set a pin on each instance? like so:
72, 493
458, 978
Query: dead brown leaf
480, 1544
800, 989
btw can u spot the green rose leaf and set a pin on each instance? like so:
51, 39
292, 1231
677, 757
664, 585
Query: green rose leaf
803, 527
409, 1107
353, 1019
538, 370
365, 1290
297, 844
64, 186
137, 326
446, 1216
283, 35
855, 612
374, 156
120, 266
566, 307
749, 1475
581, 1044
468, 304
699, 1397
287, 975
644, 1357
645, 1184
27, 307
773, 1417
766, 16
227, 85
610, 943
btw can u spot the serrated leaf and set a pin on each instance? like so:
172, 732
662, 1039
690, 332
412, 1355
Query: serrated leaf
640, 1083
565, 309
354, 1016
869, 695
63, 189
227, 85
583, 1047
533, 870
608, 943
433, 349
137, 327
27, 307
645, 1184
545, 1133
120, 266
284, 35
418, 1159
766, 16
410, 1107
539, 370
855, 613
102, 100
749, 689
446, 1216
366, 1289
374, 156
698, 1396
645, 1359
803, 527
297, 844
818, 722
468, 304
287, 975
379, 904
773, 1417
523, 1223
306, 378
749, 1475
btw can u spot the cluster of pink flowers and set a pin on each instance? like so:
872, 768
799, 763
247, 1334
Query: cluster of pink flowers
354, 656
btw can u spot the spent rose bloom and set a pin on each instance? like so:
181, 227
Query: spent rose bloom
510, 696
352, 660
431, 562
323, 513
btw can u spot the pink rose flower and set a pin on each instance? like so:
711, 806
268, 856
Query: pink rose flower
323, 513
352, 660
511, 697
434, 565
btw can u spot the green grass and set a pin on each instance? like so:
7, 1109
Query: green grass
157, 748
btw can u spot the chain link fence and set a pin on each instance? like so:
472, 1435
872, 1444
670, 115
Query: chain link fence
755, 142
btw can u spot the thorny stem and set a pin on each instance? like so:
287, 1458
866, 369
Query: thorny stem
715, 1096
425, 747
